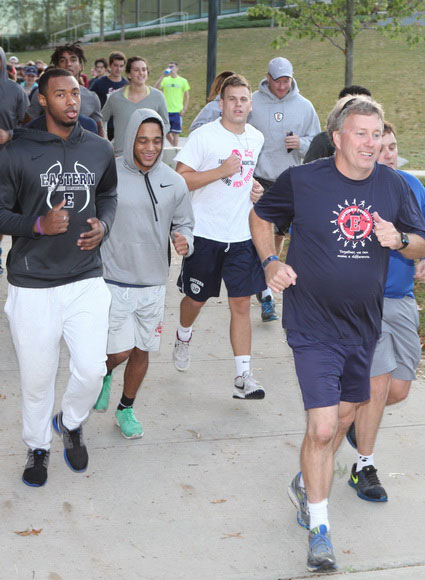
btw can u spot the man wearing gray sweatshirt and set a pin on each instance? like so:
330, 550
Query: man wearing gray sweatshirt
288, 122
152, 201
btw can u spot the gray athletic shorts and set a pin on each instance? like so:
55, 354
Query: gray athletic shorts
135, 318
398, 351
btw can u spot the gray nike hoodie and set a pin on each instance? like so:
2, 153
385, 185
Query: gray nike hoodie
150, 204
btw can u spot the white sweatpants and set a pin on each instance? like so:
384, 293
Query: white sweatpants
38, 318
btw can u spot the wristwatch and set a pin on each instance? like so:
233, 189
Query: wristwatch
404, 241
272, 258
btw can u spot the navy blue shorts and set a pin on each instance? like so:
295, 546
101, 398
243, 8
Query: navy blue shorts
175, 122
330, 372
236, 263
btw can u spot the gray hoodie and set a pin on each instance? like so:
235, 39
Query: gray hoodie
276, 117
13, 100
207, 114
149, 205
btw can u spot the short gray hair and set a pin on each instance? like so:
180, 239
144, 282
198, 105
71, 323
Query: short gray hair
352, 105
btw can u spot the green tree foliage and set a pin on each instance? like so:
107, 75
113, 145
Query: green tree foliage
341, 21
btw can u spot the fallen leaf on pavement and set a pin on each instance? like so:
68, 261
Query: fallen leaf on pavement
30, 532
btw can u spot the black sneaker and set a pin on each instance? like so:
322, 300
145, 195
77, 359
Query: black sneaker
366, 483
35, 472
351, 435
75, 452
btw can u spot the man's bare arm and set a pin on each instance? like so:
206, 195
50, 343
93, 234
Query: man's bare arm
186, 103
278, 275
157, 84
196, 179
415, 249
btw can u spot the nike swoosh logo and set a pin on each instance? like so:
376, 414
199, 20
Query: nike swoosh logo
355, 479
167, 185
33, 157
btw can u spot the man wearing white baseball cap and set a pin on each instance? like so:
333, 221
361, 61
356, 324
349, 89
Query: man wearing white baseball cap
288, 122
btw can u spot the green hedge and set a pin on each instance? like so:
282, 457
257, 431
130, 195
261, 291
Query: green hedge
28, 41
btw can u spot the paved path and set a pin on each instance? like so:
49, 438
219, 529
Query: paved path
203, 494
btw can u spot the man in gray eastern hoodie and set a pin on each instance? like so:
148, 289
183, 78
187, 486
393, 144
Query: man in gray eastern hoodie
153, 200
288, 122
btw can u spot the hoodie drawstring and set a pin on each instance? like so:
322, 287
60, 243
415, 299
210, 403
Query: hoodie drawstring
151, 193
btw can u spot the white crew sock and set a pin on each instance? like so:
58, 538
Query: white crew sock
364, 461
302, 484
242, 364
318, 514
265, 293
184, 333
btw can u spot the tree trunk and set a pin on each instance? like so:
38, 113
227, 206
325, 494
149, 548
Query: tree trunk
349, 42
122, 20
46, 16
102, 20
212, 42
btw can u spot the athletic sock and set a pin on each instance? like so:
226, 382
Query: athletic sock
265, 293
364, 461
184, 333
242, 364
318, 514
302, 484
125, 403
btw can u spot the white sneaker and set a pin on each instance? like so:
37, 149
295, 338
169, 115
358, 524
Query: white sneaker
246, 387
181, 354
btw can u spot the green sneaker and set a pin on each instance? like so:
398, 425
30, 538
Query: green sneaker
102, 402
129, 425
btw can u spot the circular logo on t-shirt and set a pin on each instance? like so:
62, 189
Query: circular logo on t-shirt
355, 223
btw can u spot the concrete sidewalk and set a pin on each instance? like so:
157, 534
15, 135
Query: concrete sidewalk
203, 494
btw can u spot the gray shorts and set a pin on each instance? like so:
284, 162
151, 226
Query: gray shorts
135, 318
398, 351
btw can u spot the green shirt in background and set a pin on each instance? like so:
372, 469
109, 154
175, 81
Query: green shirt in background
174, 90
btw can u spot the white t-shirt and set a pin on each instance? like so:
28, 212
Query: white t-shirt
221, 208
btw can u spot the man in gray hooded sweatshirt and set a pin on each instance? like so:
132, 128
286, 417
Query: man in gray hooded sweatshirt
153, 201
288, 122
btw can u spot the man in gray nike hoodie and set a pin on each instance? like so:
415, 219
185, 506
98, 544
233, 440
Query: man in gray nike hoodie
153, 202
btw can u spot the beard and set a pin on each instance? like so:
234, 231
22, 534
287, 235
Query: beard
68, 123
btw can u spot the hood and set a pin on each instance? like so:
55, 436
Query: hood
38, 132
263, 87
134, 123
3, 70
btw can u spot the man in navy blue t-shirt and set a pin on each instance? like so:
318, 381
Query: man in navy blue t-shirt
111, 82
347, 212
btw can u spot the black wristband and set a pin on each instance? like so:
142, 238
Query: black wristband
271, 258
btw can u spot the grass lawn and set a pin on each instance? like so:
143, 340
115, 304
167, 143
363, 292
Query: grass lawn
391, 70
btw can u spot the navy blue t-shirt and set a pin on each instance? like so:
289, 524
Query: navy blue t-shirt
104, 87
340, 265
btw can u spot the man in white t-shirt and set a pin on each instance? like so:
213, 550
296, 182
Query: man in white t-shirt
218, 163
